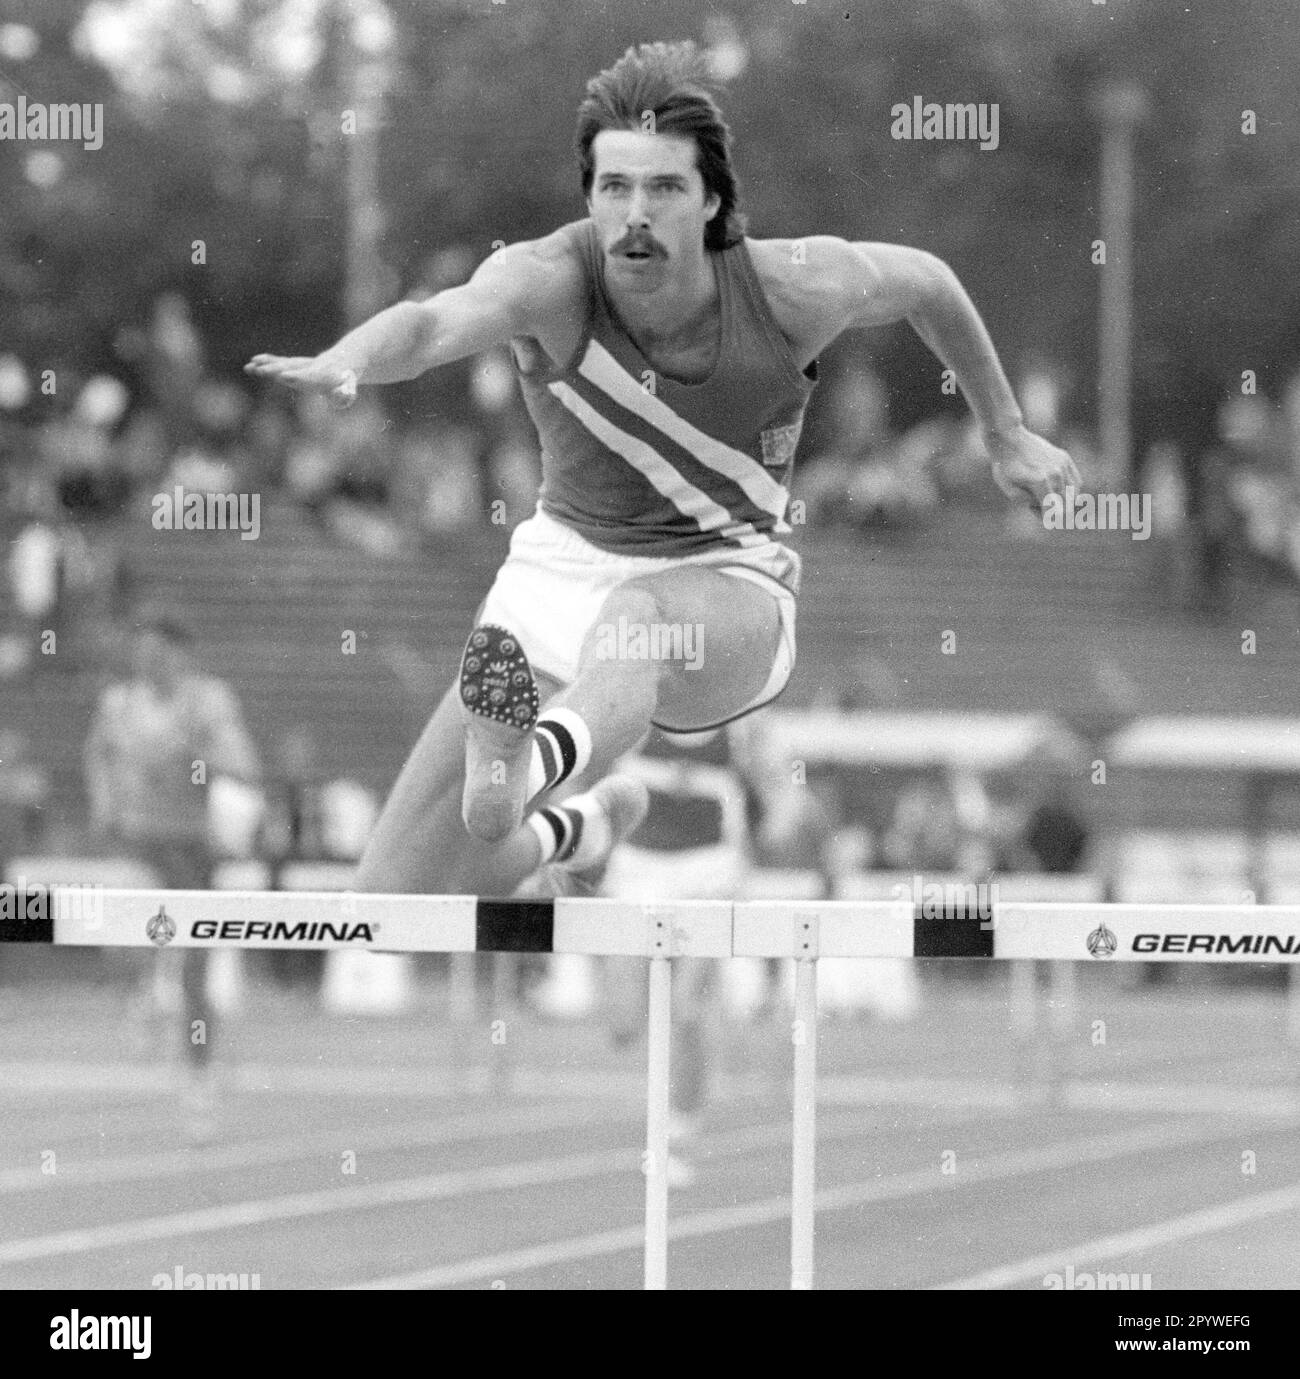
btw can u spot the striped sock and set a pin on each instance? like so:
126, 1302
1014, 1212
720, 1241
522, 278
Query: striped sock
576, 833
561, 749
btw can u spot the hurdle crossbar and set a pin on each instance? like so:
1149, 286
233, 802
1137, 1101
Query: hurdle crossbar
805, 931
90, 916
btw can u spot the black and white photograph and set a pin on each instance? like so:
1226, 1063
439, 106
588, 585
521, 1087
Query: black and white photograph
649, 644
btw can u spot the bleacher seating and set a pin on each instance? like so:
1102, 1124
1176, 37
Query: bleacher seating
1030, 617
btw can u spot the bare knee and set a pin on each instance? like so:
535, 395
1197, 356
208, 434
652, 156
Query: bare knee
623, 629
634, 602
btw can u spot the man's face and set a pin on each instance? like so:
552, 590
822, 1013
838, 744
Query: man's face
649, 205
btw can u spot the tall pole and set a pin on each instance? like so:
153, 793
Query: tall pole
1120, 107
367, 35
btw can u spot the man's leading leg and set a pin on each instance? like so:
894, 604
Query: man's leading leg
419, 843
689, 647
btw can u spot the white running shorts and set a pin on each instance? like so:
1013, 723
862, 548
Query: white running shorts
550, 590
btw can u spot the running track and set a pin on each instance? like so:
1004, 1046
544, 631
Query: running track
477, 1165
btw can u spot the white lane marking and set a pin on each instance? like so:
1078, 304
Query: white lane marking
428, 1187
1172, 1098
1205, 1222
314, 1204
24, 1079
255, 1153
919, 1182
102, 1078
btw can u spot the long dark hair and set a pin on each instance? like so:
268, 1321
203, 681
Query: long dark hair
670, 81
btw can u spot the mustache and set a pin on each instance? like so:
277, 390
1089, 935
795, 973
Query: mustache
645, 243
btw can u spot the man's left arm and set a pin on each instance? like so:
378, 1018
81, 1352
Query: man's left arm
879, 284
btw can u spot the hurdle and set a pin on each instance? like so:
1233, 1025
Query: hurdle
802, 931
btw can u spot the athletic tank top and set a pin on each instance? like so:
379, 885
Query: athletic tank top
640, 464
697, 798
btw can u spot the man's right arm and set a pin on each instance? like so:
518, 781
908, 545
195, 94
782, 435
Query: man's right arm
517, 291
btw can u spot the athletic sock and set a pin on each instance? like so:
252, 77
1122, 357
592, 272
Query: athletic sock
561, 749
576, 833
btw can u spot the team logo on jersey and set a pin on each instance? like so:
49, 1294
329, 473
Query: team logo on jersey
779, 444
161, 928
1102, 943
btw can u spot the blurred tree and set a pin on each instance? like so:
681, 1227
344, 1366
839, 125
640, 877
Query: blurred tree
225, 124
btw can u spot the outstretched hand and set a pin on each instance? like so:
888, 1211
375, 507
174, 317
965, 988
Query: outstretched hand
307, 374
1025, 466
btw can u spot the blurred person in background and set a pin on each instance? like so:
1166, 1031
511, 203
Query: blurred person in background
693, 843
172, 355
50, 565
24, 795
293, 831
157, 739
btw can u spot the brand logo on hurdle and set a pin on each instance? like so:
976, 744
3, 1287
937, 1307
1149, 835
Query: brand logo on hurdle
247, 930
1261, 945
161, 928
1102, 942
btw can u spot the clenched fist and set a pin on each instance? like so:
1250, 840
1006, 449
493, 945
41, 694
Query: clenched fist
1027, 466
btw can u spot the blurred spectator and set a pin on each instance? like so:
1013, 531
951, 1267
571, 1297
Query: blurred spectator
441, 473
852, 419
156, 740
348, 811
1162, 477
173, 360
1040, 391
141, 450
15, 386
24, 794
1215, 519
311, 470
293, 831
49, 566
309, 818
514, 473
78, 452
1055, 833
925, 830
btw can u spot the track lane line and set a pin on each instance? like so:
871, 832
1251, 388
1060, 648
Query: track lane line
1066, 1154
258, 1153
395, 1192
1205, 1222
